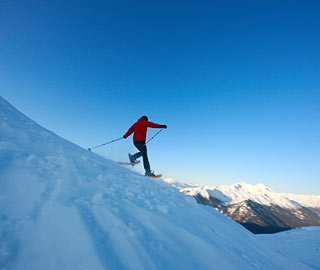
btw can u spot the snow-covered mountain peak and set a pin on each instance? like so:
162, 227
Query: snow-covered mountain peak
259, 193
257, 207
241, 185
263, 187
259, 188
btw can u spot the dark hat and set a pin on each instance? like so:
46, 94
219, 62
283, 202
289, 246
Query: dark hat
145, 117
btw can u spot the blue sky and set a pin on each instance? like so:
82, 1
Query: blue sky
238, 84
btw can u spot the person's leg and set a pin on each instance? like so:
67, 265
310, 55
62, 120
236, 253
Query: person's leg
137, 155
143, 152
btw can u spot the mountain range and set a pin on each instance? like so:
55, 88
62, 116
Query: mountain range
257, 207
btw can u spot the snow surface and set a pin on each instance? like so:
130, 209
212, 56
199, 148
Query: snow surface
242, 191
63, 207
303, 243
304, 200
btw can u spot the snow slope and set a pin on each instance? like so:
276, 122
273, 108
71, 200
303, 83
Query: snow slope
303, 243
63, 207
304, 200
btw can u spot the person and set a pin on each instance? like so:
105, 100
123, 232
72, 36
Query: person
139, 130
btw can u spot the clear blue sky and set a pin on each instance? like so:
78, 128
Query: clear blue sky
237, 82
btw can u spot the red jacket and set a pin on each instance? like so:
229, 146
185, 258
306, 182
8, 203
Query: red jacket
140, 129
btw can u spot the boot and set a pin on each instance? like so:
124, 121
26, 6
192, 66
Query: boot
149, 174
131, 158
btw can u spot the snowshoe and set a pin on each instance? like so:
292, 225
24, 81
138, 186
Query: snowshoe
152, 175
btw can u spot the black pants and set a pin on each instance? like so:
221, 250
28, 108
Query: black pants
140, 145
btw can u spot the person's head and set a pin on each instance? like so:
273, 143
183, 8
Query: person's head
145, 117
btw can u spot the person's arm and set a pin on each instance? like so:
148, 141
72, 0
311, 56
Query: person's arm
129, 132
154, 125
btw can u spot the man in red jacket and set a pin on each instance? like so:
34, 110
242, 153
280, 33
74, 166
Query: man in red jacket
139, 129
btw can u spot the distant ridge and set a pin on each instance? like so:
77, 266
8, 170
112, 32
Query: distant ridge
258, 208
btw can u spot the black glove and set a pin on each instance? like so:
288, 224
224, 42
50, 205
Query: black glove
164, 126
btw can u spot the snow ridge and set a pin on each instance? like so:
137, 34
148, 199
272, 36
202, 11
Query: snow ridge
258, 193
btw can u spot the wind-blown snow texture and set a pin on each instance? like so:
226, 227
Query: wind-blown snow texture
63, 207
303, 243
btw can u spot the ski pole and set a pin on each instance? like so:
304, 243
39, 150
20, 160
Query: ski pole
153, 136
104, 144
